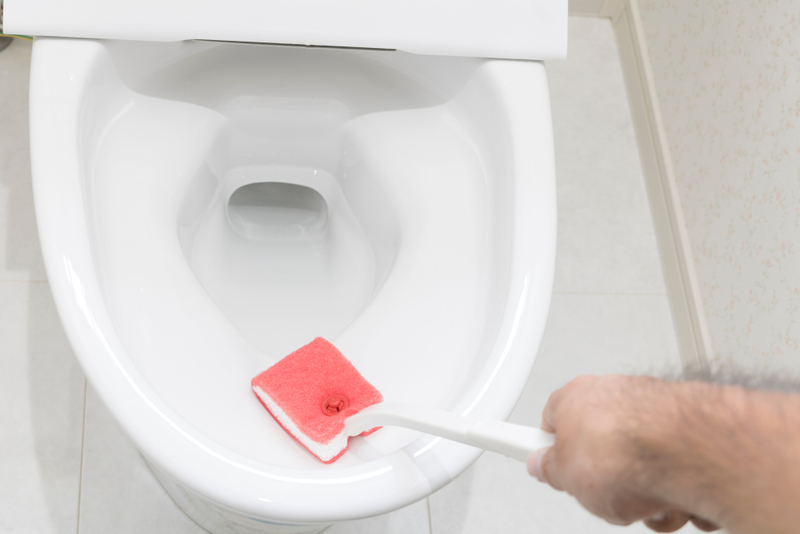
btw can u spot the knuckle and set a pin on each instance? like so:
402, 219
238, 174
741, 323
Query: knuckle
582, 381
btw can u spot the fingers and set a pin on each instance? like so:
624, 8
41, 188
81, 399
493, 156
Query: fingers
553, 403
542, 465
595, 452
550, 471
672, 520
550, 409
534, 464
702, 524
667, 521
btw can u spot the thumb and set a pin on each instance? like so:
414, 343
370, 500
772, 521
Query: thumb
535, 460
542, 466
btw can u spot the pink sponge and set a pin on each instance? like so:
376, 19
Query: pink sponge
311, 392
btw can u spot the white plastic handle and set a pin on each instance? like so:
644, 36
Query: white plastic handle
516, 441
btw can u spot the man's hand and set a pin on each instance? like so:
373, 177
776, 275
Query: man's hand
598, 458
638, 448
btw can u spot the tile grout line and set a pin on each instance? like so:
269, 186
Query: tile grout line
83, 443
430, 519
609, 293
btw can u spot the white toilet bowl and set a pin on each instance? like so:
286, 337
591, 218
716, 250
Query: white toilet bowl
204, 209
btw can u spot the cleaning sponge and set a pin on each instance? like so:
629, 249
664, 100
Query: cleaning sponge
311, 392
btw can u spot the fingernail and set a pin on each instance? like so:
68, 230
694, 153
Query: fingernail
535, 464
660, 516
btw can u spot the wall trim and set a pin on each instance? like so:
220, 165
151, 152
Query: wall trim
683, 288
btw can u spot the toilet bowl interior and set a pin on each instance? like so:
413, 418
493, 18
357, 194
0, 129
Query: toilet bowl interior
246, 199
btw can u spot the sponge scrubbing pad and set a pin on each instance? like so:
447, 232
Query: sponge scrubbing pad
311, 392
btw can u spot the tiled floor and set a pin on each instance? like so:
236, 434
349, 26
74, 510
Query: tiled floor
65, 467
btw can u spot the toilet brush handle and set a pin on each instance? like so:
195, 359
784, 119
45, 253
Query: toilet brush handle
516, 441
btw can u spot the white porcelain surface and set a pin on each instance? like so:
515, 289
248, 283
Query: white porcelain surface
534, 29
410, 520
440, 160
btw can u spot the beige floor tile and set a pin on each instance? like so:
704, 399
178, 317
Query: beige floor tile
41, 414
20, 258
606, 242
597, 335
119, 493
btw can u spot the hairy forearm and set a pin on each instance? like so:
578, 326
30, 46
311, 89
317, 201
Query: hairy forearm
727, 454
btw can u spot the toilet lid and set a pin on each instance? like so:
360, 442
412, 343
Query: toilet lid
518, 29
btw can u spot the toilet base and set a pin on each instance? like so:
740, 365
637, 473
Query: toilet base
219, 520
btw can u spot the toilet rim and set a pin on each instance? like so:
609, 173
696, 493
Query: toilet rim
199, 465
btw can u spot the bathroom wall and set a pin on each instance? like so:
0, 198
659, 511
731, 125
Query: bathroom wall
728, 81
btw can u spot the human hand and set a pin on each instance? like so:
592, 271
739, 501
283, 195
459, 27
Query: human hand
612, 448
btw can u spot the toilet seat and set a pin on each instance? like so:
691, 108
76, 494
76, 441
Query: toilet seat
519, 152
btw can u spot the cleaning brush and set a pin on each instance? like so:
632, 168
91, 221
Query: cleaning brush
318, 397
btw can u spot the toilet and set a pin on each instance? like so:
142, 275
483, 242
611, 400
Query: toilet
210, 197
